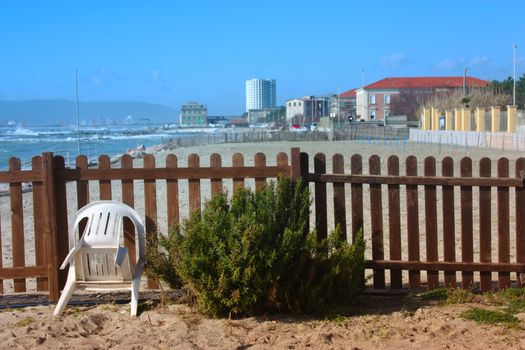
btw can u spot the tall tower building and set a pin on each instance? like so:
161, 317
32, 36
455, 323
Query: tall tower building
260, 93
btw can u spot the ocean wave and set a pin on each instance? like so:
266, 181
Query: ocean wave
22, 132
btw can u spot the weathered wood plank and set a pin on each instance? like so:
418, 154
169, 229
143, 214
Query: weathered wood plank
503, 224
82, 191
376, 220
38, 226
449, 226
17, 225
321, 222
165, 173
105, 185
61, 218
356, 190
150, 208
22, 272
445, 266
216, 163
485, 241
338, 167
467, 250
394, 223
431, 223
172, 193
128, 197
520, 220
413, 180
260, 162
194, 186
238, 162
50, 225
414, 276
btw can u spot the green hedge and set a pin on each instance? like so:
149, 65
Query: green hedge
254, 254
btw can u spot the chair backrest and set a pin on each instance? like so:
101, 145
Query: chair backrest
103, 226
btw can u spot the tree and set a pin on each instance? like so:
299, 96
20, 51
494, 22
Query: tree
408, 102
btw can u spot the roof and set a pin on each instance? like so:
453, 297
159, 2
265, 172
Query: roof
349, 93
425, 82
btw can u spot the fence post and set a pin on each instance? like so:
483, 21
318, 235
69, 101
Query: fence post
50, 224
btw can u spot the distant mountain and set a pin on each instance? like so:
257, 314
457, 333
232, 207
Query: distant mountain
63, 112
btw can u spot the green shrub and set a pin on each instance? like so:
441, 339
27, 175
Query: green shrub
254, 254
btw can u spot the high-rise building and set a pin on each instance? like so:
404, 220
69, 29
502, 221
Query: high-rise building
260, 93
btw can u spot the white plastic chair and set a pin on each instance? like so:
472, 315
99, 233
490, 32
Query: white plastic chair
98, 261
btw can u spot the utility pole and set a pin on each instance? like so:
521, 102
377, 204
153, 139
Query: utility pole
514, 79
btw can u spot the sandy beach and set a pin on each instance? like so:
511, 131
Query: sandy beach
375, 323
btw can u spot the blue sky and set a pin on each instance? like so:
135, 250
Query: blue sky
170, 52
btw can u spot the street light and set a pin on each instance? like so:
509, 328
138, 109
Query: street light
514, 80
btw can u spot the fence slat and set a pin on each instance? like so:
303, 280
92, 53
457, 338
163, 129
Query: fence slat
172, 193
282, 161
61, 218
305, 168
260, 162
449, 226
376, 212
394, 223
321, 223
82, 185
215, 163
150, 208
17, 225
503, 224
237, 162
520, 220
414, 277
194, 185
82, 190
38, 225
128, 197
485, 241
338, 167
467, 251
105, 185
431, 222
356, 168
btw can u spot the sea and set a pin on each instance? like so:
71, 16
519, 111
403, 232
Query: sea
26, 142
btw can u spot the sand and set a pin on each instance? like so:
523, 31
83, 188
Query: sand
386, 323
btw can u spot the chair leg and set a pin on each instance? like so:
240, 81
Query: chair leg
69, 288
135, 284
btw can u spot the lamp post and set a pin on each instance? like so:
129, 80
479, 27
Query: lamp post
514, 80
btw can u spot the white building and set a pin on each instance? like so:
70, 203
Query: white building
260, 94
308, 109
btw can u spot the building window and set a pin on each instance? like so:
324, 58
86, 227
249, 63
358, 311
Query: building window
373, 99
373, 114
387, 113
387, 99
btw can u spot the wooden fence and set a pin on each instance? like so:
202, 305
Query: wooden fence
351, 197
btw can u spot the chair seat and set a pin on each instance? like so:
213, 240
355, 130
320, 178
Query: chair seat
98, 261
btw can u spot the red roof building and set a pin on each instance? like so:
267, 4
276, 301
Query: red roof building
373, 100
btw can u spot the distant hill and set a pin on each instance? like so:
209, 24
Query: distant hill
63, 112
